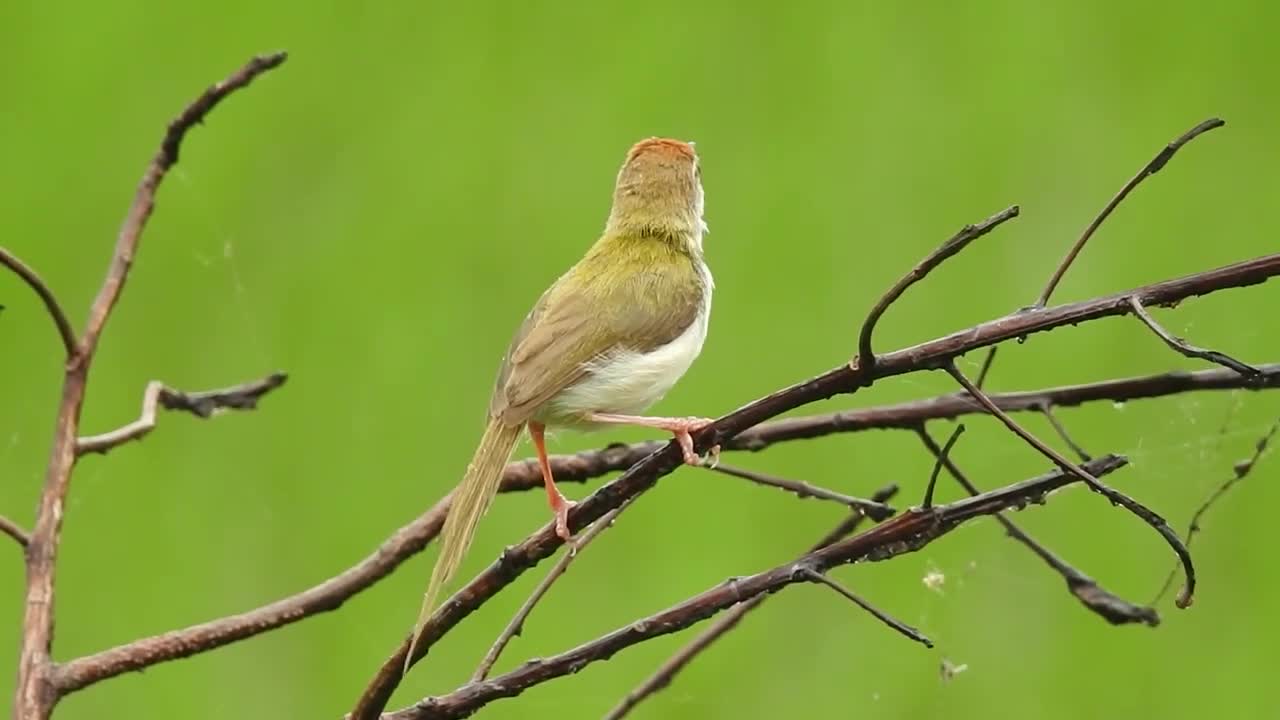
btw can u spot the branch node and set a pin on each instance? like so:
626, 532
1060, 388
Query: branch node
897, 625
866, 359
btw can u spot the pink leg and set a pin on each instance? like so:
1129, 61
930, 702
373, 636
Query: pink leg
559, 503
680, 427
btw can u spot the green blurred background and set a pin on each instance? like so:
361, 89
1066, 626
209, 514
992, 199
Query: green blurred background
376, 216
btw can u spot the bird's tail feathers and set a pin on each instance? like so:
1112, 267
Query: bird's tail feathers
470, 501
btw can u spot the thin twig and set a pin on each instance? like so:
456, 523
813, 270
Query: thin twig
901, 627
986, 366
967, 234
1058, 427
907, 532
937, 466
666, 672
1187, 349
846, 379
1239, 472
201, 404
13, 530
37, 690
1107, 605
33, 280
516, 625
1159, 161
876, 510
1149, 517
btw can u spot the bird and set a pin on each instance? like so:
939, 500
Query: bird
603, 343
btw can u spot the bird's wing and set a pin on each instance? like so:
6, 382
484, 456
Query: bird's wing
575, 322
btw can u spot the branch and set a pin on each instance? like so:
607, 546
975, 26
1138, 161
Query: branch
1116, 497
1239, 472
956, 243
516, 559
1187, 349
909, 415
1159, 161
902, 628
10, 528
876, 510
908, 532
663, 676
145, 199
1047, 411
941, 457
1107, 605
29, 276
37, 690
516, 625
201, 404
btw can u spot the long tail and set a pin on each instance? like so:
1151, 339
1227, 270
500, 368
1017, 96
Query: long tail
470, 501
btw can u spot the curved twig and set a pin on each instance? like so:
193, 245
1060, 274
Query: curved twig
33, 280
1144, 513
1159, 161
967, 234
1187, 349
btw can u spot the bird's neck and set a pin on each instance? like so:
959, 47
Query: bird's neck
680, 230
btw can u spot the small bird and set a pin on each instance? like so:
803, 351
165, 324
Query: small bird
608, 339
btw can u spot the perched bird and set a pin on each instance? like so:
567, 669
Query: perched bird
602, 344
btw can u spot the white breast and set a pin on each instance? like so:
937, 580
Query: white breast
628, 382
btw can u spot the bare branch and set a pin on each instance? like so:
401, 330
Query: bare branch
1187, 349
1107, 605
937, 465
1149, 517
909, 415
665, 673
986, 366
876, 510
145, 199
847, 379
12, 529
906, 532
1240, 471
1047, 411
201, 404
516, 625
866, 357
901, 627
1159, 161
32, 279
37, 691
